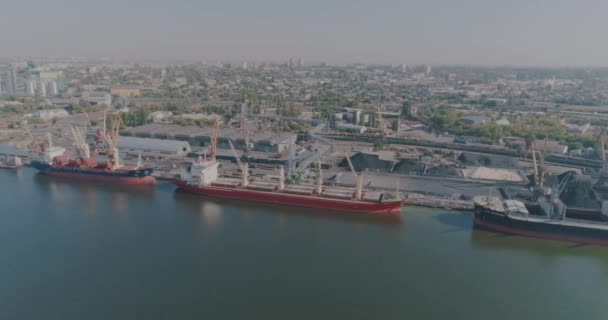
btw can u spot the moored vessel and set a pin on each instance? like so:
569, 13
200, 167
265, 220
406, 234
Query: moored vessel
202, 178
551, 222
54, 161
11, 163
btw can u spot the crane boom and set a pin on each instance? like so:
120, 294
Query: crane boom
358, 177
243, 166
350, 164
214, 135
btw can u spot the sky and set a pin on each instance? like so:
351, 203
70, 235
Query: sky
470, 32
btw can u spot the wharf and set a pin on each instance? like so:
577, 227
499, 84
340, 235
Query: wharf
435, 202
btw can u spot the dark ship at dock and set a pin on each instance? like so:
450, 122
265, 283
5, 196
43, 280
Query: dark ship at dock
548, 217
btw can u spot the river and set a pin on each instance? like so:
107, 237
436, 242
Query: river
73, 250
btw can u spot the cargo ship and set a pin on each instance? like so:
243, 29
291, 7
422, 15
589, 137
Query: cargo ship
53, 161
11, 163
551, 222
202, 178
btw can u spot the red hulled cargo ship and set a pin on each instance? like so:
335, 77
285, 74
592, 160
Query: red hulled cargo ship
53, 161
202, 178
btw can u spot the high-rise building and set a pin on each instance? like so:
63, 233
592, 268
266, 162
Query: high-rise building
10, 82
52, 88
42, 90
30, 87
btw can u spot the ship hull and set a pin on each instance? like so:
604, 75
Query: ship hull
488, 220
10, 167
281, 198
136, 176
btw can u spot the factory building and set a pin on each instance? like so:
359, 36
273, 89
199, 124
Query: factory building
262, 141
126, 92
147, 145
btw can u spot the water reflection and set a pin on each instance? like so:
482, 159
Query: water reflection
212, 214
457, 221
284, 212
61, 188
548, 249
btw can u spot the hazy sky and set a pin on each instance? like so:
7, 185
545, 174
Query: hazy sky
507, 32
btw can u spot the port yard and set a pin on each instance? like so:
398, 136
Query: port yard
425, 169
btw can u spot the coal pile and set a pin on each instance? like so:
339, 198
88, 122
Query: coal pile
406, 166
444, 171
366, 161
578, 192
482, 160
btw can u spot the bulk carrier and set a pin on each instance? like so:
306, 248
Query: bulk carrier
549, 219
53, 161
202, 178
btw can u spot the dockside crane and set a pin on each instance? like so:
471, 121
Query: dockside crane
243, 166
538, 161
214, 135
319, 178
243, 126
113, 150
80, 144
358, 177
112, 136
602, 140
381, 124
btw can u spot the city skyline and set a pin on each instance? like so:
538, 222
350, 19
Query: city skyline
471, 32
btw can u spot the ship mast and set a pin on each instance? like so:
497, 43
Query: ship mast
358, 177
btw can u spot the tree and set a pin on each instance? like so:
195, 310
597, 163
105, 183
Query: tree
395, 125
406, 110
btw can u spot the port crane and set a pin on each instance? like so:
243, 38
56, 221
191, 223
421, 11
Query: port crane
358, 177
81, 146
243, 127
112, 136
540, 169
381, 123
113, 151
603, 177
319, 178
243, 166
214, 135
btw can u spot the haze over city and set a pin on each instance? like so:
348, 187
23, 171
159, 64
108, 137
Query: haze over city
520, 32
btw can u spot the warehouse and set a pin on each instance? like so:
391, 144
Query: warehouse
172, 147
260, 140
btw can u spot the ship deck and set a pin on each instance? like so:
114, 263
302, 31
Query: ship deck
567, 222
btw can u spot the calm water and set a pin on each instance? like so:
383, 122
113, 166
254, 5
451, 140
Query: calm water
81, 251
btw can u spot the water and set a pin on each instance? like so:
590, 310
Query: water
81, 251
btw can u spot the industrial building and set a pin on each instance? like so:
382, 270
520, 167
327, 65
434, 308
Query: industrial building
98, 98
126, 92
262, 141
147, 145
